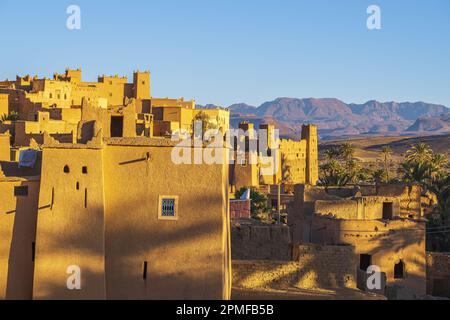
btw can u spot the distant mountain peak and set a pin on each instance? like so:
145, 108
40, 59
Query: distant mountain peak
335, 117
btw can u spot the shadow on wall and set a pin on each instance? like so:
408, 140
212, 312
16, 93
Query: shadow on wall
312, 267
21, 255
400, 252
145, 258
12, 169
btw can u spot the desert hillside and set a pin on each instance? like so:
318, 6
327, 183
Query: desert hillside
336, 118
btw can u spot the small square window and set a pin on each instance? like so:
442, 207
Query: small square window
84, 170
21, 191
168, 208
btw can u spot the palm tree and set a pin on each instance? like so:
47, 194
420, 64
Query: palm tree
379, 176
347, 151
333, 174
13, 116
386, 151
332, 153
418, 172
438, 163
419, 153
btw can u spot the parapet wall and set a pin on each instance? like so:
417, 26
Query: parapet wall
260, 242
314, 266
326, 266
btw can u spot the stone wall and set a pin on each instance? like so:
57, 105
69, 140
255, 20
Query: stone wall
260, 242
314, 267
438, 274
326, 266
240, 209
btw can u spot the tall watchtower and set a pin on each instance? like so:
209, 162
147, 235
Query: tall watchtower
309, 133
141, 85
73, 75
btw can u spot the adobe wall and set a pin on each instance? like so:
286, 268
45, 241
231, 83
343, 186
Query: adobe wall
18, 216
27, 130
349, 203
344, 209
438, 274
5, 152
313, 267
196, 247
326, 266
104, 226
70, 228
363, 208
25, 140
388, 242
4, 104
309, 133
260, 242
244, 174
293, 158
409, 197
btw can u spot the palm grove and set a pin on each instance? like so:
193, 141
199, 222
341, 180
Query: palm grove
419, 165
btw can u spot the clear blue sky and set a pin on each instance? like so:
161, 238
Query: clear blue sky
227, 51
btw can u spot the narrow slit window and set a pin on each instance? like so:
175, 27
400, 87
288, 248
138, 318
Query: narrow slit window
144, 271
53, 198
33, 251
85, 198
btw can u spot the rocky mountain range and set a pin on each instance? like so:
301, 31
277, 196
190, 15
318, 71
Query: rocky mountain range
336, 118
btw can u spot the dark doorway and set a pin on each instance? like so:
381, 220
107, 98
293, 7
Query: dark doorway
388, 210
441, 287
365, 261
116, 126
399, 270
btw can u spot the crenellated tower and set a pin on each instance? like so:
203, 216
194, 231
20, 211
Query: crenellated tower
141, 85
309, 133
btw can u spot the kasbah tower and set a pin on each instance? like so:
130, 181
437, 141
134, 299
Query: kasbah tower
309, 133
